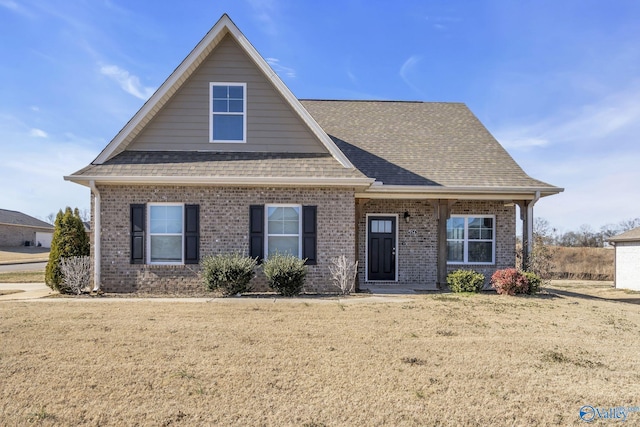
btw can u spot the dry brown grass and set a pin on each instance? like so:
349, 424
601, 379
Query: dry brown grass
22, 277
438, 359
10, 255
583, 263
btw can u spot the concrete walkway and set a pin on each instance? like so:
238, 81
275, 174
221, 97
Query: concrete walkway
38, 292
27, 291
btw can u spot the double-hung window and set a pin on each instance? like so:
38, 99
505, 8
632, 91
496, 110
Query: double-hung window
166, 241
283, 227
471, 239
228, 121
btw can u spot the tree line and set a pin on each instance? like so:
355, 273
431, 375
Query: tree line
585, 236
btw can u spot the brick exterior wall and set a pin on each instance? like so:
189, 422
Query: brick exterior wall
224, 227
416, 248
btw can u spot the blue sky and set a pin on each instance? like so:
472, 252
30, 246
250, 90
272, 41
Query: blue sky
557, 82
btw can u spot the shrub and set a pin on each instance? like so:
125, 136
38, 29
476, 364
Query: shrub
75, 271
285, 274
465, 281
535, 282
69, 240
343, 274
228, 273
510, 282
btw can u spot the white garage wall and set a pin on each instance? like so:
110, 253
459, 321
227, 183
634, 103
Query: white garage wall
43, 239
628, 265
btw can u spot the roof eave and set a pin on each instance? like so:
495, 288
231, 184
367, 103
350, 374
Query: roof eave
359, 183
380, 191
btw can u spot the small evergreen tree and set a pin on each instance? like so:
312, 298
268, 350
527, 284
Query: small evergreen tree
69, 240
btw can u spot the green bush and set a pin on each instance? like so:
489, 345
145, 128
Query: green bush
69, 240
228, 273
285, 274
465, 281
535, 282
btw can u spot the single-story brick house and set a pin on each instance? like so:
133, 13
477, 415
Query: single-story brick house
19, 229
223, 157
627, 259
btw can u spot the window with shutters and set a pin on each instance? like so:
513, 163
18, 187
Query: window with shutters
165, 239
283, 226
165, 233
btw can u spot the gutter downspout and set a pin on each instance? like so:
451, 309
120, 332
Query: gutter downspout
96, 236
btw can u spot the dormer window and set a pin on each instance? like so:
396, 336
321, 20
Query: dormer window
228, 112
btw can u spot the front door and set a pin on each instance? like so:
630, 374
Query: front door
381, 262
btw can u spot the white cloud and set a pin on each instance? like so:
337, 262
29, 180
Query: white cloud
407, 69
281, 69
264, 11
38, 133
37, 168
15, 7
591, 150
128, 82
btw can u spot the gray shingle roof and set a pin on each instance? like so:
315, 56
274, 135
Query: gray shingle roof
627, 236
419, 143
213, 164
397, 143
18, 218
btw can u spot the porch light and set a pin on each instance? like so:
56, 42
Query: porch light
406, 216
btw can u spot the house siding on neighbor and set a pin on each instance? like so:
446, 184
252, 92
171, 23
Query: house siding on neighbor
19, 229
224, 227
627, 271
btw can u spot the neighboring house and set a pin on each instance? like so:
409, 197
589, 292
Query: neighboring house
627, 259
18, 229
223, 157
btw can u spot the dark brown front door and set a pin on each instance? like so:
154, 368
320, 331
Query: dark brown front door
381, 248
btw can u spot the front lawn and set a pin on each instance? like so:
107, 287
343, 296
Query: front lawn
440, 359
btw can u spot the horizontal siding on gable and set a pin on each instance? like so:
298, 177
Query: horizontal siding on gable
183, 123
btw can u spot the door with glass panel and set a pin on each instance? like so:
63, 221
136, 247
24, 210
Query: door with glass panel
381, 248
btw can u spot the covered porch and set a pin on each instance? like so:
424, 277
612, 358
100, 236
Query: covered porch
410, 244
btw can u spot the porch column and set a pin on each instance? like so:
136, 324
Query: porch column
526, 215
442, 215
359, 209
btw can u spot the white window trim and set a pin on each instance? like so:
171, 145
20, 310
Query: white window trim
466, 240
244, 113
148, 233
266, 227
366, 248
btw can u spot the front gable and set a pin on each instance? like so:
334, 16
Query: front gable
176, 117
183, 123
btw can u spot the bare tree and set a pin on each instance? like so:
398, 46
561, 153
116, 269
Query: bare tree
343, 274
51, 218
629, 224
75, 273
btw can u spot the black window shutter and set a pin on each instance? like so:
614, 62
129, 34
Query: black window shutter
309, 234
256, 232
137, 216
191, 234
